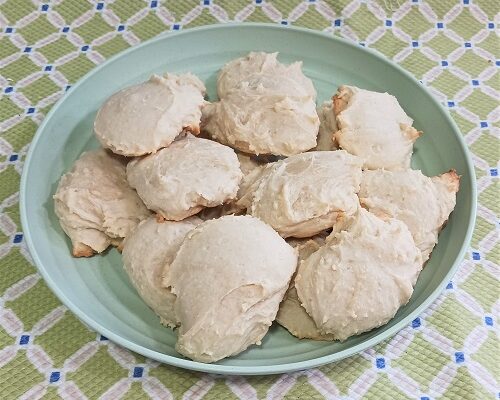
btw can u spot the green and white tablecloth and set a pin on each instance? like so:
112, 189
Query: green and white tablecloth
451, 351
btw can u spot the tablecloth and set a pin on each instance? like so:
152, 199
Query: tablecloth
451, 351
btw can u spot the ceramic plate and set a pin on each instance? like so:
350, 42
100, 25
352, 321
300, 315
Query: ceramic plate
97, 289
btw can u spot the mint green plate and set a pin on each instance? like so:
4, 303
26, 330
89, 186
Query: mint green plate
97, 289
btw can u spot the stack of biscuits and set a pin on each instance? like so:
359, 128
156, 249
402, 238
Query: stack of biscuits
257, 207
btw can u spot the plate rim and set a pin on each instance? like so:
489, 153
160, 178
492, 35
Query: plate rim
245, 370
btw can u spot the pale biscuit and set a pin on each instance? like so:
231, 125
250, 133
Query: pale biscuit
422, 203
264, 69
146, 252
95, 205
190, 174
305, 194
361, 277
229, 276
258, 121
265, 107
373, 126
143, 118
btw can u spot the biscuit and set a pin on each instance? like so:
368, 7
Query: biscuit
374, 127
305, 194
144, 118
146, 252
264, 69
360, 278
95, 205
264, 107
229, 276
422, 203
189, 175
258, 121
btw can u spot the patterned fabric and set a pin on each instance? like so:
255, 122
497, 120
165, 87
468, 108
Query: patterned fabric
451, 351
